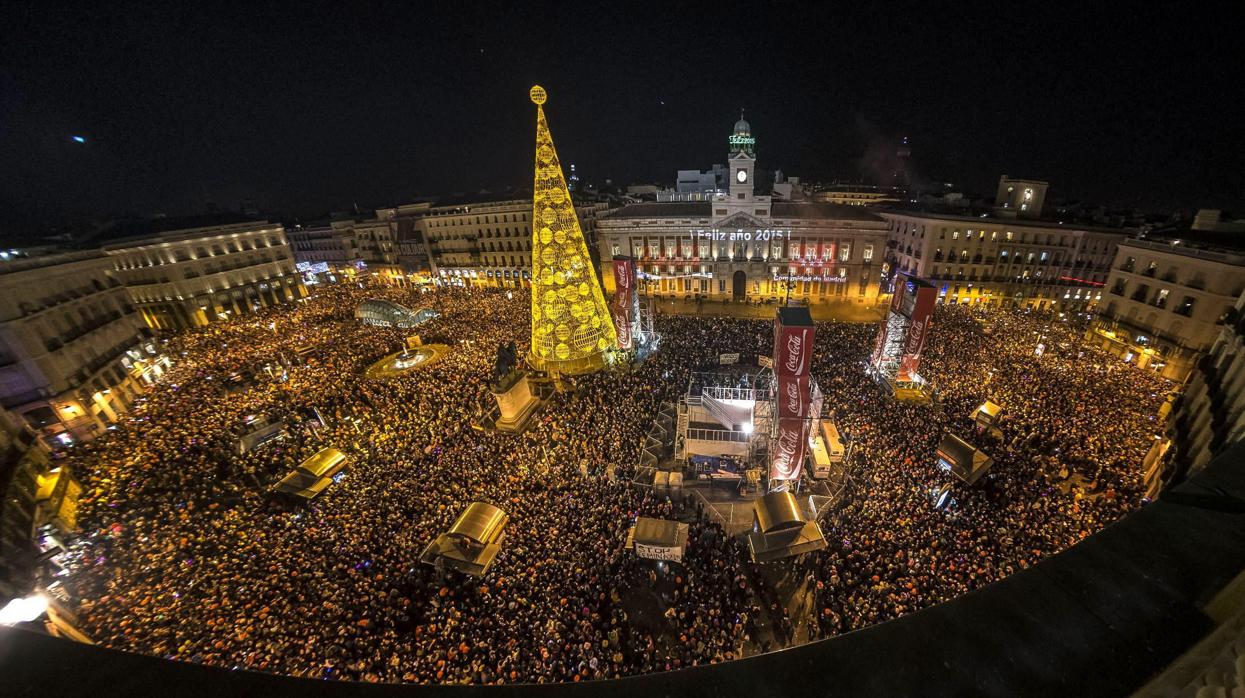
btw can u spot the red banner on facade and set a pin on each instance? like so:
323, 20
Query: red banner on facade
790, 448
918, 331
793, 350
625, 301
794, 399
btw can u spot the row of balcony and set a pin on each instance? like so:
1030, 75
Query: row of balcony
29, 308
1169, 276
1005, 278
80, 331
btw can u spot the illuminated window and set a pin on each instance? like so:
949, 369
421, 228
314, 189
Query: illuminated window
1008, 235
955, 235
867, 253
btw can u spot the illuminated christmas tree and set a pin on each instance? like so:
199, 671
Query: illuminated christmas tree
572, 330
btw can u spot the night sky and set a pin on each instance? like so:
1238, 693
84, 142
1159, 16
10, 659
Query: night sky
307, 110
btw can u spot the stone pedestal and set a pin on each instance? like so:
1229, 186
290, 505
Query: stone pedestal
515, 401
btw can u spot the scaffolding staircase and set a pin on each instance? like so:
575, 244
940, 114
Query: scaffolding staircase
680, 435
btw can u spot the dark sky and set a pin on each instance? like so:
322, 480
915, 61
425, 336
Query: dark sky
306, 110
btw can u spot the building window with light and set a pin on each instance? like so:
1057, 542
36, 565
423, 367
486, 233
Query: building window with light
867, 253
845, 252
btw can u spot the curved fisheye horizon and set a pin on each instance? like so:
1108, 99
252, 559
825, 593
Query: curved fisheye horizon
746, 429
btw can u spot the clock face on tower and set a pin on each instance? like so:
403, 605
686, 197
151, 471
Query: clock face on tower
741, 176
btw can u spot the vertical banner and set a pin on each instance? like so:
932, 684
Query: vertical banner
922, 318
793, 350
880, 344
793, 357
901, 285
623, 305
790, 447
794, 399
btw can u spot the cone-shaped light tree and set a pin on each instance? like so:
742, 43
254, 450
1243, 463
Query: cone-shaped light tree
572, 330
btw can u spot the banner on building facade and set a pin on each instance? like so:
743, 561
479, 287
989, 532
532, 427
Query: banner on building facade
918, 330
624, 307
790, 447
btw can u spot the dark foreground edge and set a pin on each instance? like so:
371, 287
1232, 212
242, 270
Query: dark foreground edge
1097, 620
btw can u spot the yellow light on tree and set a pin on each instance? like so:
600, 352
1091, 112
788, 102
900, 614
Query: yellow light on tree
572, 331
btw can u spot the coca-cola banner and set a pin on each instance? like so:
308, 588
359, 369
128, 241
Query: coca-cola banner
623, 305
793, 347
793, 396
922, 318
901, 285
790, 447
880, 344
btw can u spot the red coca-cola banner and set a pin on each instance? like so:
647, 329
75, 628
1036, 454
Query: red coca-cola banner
624, 301
918, 331
901, 285
880, 344
793, 350
790, 447
794, 399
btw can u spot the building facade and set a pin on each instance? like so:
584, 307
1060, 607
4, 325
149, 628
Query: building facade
1164, 303
22, 461
74, 350
347, 248
857, 195
1023, 198
482, 243
192, 277
744, 246
1210, 416
1002, 261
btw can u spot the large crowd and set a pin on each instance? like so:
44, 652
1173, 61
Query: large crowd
185, 555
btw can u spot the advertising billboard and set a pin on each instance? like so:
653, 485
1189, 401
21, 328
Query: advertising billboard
789, 450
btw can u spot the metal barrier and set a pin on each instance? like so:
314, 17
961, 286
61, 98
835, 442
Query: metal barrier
717, 435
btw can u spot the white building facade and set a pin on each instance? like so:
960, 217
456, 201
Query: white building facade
485, 243
192, 277
744, 246
74, 350
1003, 261
1165, 303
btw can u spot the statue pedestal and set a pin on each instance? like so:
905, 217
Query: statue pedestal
515, 401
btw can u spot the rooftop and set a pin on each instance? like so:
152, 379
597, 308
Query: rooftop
841, 212
152, 227
665, 209
788, 210
1211, 240
988, 219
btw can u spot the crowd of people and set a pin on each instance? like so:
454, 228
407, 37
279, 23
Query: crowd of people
185, 555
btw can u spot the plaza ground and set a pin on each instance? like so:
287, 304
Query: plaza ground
822, 312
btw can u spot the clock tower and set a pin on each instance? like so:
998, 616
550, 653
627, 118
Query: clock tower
742, 160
